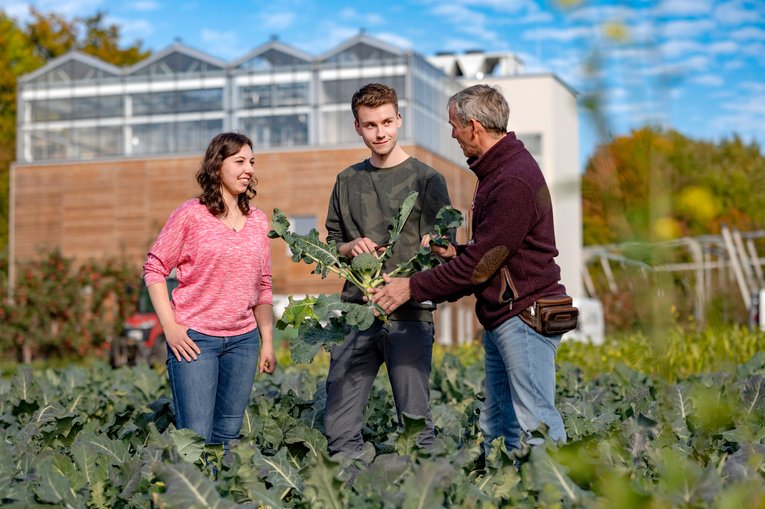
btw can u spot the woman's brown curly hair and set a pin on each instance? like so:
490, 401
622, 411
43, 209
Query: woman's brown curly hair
222, 146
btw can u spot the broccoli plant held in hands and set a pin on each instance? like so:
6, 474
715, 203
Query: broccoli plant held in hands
364, 271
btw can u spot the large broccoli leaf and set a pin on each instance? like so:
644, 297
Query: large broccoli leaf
323, 320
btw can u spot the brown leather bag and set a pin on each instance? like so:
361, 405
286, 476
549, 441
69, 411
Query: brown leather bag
551, 315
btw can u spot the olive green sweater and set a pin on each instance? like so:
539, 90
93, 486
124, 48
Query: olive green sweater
364, 202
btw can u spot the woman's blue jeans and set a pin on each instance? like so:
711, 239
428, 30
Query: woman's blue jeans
211, 393
520, 383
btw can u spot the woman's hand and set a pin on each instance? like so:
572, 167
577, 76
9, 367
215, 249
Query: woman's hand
180, 343
267, 359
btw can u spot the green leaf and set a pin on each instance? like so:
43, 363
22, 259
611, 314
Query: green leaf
546, 473
89, 463
54, 486
398, 223
187, 488
323, 488
406, 439
279, 224
279, 471
297, 312
129, 477
311, 438
264, 497
426, 487
360, 316
448, 219
188, 443
385, 472
312, 336
116, 451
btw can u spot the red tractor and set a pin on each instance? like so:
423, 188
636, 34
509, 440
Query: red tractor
142, 338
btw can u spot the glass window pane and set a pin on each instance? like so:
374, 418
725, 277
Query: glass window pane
276, 130
178, 101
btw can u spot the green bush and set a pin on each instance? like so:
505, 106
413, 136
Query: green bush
59, 309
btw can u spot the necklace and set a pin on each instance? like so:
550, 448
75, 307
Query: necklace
236, 221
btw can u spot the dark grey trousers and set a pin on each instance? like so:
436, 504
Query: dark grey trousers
406, 348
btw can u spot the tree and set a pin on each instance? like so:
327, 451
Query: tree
703, 184
29, 47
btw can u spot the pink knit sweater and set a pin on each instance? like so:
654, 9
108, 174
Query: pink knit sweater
222, 274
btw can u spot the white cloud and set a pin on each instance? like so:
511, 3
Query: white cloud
684, 7
754, 87
350, 14
457, 44
734, 13
711, 80
744, 117
468, 21
66, 8
756, 50
329, 36
536, 17
679, 70
132, 29
601, 13
145, 5
723, 47
558, 34
733, 65
395, 40
499, 5
748, 33
686, 28
224, 44
679, 47
15, 10
278, 20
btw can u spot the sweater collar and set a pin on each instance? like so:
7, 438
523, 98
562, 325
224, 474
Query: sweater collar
495, 157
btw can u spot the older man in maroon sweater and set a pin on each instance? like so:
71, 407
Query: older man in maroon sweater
508, 263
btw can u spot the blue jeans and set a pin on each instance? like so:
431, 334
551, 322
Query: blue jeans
211, 393
520, 383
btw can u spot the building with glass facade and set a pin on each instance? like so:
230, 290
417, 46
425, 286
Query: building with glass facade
79, 108
105, 153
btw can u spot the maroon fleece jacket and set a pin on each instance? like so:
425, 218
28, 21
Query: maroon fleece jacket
510, 261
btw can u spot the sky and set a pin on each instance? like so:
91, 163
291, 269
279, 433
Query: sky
697, 66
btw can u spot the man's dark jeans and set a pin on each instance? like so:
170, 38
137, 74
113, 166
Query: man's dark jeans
406, 348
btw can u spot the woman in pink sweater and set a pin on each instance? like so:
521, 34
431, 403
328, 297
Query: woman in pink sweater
221, 313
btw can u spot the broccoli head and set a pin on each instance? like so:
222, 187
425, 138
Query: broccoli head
365, 263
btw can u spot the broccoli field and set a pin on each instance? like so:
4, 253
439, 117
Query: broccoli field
84, 437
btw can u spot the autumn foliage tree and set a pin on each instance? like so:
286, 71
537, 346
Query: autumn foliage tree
657, 185
27, 47
699, 185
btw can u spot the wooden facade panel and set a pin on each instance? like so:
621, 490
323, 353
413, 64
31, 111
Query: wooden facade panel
116, 208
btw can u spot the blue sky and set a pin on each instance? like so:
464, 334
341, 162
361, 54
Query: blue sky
697, 66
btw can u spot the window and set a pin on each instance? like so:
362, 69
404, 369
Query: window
76, 108
276, 130
178, 101
533, 143
302, 225
274, 95
174, 137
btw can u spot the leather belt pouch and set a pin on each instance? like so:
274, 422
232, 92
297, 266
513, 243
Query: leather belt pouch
551, 315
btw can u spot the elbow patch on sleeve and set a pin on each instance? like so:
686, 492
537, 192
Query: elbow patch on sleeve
491, 261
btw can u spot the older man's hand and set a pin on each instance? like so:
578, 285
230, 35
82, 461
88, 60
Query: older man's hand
393, 294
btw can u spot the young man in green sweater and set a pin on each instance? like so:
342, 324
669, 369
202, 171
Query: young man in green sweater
366, 197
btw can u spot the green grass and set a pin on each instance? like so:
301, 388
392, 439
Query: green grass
670, 355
